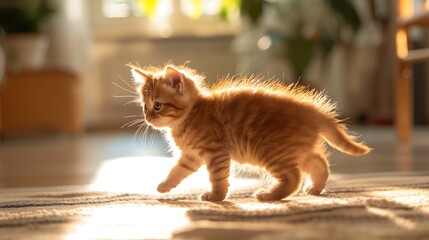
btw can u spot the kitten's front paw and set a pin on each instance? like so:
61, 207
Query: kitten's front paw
164, 187
208, 196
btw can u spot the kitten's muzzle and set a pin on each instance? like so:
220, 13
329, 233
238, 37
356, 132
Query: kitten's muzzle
150, 118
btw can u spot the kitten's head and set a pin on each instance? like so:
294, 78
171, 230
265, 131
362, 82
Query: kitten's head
167, 94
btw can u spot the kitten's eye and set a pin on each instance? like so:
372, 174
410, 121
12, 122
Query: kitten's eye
157, 106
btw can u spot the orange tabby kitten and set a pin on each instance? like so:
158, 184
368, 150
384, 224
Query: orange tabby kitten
276, 127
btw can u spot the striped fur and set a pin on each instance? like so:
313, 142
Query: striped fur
270, 125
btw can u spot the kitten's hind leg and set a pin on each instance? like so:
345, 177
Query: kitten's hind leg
318, 169
289, 180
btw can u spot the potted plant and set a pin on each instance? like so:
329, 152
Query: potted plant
21, 36
299, 30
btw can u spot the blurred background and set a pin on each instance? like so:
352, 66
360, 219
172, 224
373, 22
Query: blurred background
65, 90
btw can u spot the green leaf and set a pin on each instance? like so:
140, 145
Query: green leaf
228, 7
346, 10
299, 52
44, 11
14, 20
253, 9
24, 16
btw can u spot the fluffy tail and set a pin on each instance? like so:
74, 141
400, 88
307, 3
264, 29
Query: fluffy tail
335, 134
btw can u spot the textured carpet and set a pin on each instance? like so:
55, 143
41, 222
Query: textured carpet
356, 206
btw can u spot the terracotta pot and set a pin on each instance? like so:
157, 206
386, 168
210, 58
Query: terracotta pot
2, 64
25, 51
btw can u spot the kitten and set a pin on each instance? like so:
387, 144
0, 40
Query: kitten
270, 125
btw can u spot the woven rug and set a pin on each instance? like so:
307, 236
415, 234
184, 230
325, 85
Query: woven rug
355, 206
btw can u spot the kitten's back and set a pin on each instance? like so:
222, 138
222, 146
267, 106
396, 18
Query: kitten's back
275, 107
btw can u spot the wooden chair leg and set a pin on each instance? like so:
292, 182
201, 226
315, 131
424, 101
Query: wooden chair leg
404, 101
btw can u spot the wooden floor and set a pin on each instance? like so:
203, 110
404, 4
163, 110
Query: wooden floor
64, 160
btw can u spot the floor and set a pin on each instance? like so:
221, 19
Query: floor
65, 160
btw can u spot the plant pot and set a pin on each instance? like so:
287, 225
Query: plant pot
2, 64
26, 51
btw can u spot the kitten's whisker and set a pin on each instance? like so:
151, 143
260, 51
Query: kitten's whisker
134, 136
134, 116
143, 136
137, 119
119, 86
128, 124
141, 120
137, 132
152, 136
136, 122
126, 83
131, 101
123, 96
133, 123
146, 133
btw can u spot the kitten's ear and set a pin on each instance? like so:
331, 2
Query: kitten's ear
176, 78
139, 75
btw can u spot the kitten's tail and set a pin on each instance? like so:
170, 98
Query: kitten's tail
336, 135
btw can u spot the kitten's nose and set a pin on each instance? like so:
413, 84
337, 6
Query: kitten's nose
150, 117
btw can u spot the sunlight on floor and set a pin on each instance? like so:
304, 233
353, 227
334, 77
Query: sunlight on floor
134, 175
130, 222
143, 174
409, 196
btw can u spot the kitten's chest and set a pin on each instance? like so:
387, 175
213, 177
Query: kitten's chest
186, 142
